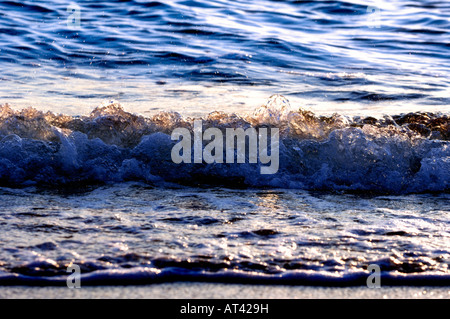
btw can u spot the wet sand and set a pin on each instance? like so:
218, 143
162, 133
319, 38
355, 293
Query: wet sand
223, 291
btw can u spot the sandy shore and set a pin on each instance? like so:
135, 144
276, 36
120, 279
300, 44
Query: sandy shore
224, 291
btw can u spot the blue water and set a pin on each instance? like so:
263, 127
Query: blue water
326, 55
360, 96
135, 234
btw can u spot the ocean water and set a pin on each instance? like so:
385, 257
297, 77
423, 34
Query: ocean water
195, 57
90, 93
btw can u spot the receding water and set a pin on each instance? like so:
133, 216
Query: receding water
133, 233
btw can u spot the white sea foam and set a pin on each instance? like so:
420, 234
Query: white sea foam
405, 153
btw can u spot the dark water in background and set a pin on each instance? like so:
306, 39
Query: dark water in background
195, 57
199, 56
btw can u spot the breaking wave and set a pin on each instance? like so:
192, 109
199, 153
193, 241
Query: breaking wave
394, 154
148, 275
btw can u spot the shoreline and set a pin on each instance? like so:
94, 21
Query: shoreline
191, 290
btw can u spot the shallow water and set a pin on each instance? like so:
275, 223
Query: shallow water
132, 233
195, 57
96, 186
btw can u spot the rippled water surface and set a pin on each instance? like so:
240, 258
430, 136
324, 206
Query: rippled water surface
137, 234
92, 183
199, 56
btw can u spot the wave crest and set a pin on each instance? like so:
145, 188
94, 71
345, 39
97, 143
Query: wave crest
393, 154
